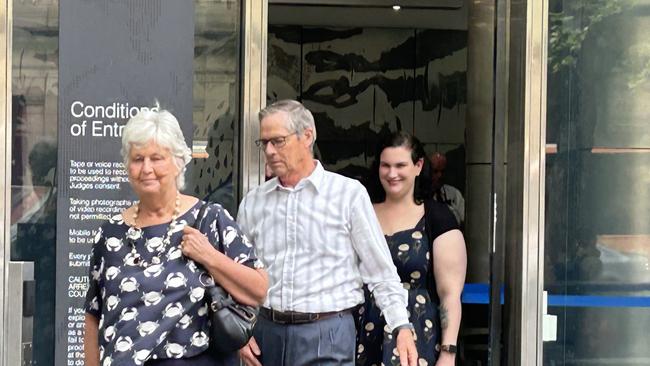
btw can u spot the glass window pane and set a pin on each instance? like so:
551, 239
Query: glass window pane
33, 157
597, 246
216, 102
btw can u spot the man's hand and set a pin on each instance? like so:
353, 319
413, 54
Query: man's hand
408, 354
446, 359
250, 352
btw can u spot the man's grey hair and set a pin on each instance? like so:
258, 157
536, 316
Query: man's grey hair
298, 119
162, 128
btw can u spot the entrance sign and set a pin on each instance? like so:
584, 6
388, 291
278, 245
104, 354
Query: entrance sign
115, 58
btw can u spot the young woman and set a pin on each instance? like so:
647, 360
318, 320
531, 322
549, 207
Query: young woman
428, 251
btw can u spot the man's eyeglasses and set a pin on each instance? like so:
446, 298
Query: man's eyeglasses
275, 141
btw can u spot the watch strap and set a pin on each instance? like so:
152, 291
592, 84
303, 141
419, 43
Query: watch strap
449, 348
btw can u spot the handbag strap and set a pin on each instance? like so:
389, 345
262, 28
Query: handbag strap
199, 216
197, 226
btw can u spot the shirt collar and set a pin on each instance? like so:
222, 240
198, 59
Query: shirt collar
315, 179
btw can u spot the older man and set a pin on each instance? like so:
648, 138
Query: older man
318, 234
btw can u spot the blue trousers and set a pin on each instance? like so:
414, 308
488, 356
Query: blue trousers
326, 342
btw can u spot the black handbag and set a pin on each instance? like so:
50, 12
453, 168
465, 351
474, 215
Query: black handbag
231, 323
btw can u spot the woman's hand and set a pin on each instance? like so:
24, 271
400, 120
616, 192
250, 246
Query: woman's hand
246, 285
446, 359
196, 246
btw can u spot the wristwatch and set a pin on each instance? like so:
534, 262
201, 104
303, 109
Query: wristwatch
449, 348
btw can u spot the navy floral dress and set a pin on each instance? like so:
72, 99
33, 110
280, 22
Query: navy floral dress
159, 311
410, 250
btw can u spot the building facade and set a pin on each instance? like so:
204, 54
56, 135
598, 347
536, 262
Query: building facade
538, 106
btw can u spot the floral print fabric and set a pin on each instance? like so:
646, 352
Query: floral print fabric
158, 311
410, 250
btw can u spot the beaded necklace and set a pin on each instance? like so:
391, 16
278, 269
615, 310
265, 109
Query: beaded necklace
135, 232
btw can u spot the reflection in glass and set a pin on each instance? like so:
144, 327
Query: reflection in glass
216, 101
33, 158
597, 240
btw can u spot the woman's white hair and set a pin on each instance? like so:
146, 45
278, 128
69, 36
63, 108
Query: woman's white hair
161, 127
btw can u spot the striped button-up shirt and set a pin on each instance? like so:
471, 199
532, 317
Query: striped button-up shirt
320, 241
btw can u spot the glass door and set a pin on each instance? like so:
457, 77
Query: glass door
32, 221
597, 235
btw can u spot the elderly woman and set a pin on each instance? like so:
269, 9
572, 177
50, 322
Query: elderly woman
146, 302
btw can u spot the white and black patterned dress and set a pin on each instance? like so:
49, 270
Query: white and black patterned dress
411, 251
159, 311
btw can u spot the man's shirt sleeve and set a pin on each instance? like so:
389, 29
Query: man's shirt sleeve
376, 264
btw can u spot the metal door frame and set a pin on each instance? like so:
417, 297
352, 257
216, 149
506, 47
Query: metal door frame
253, 91
6, 18
526, 114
